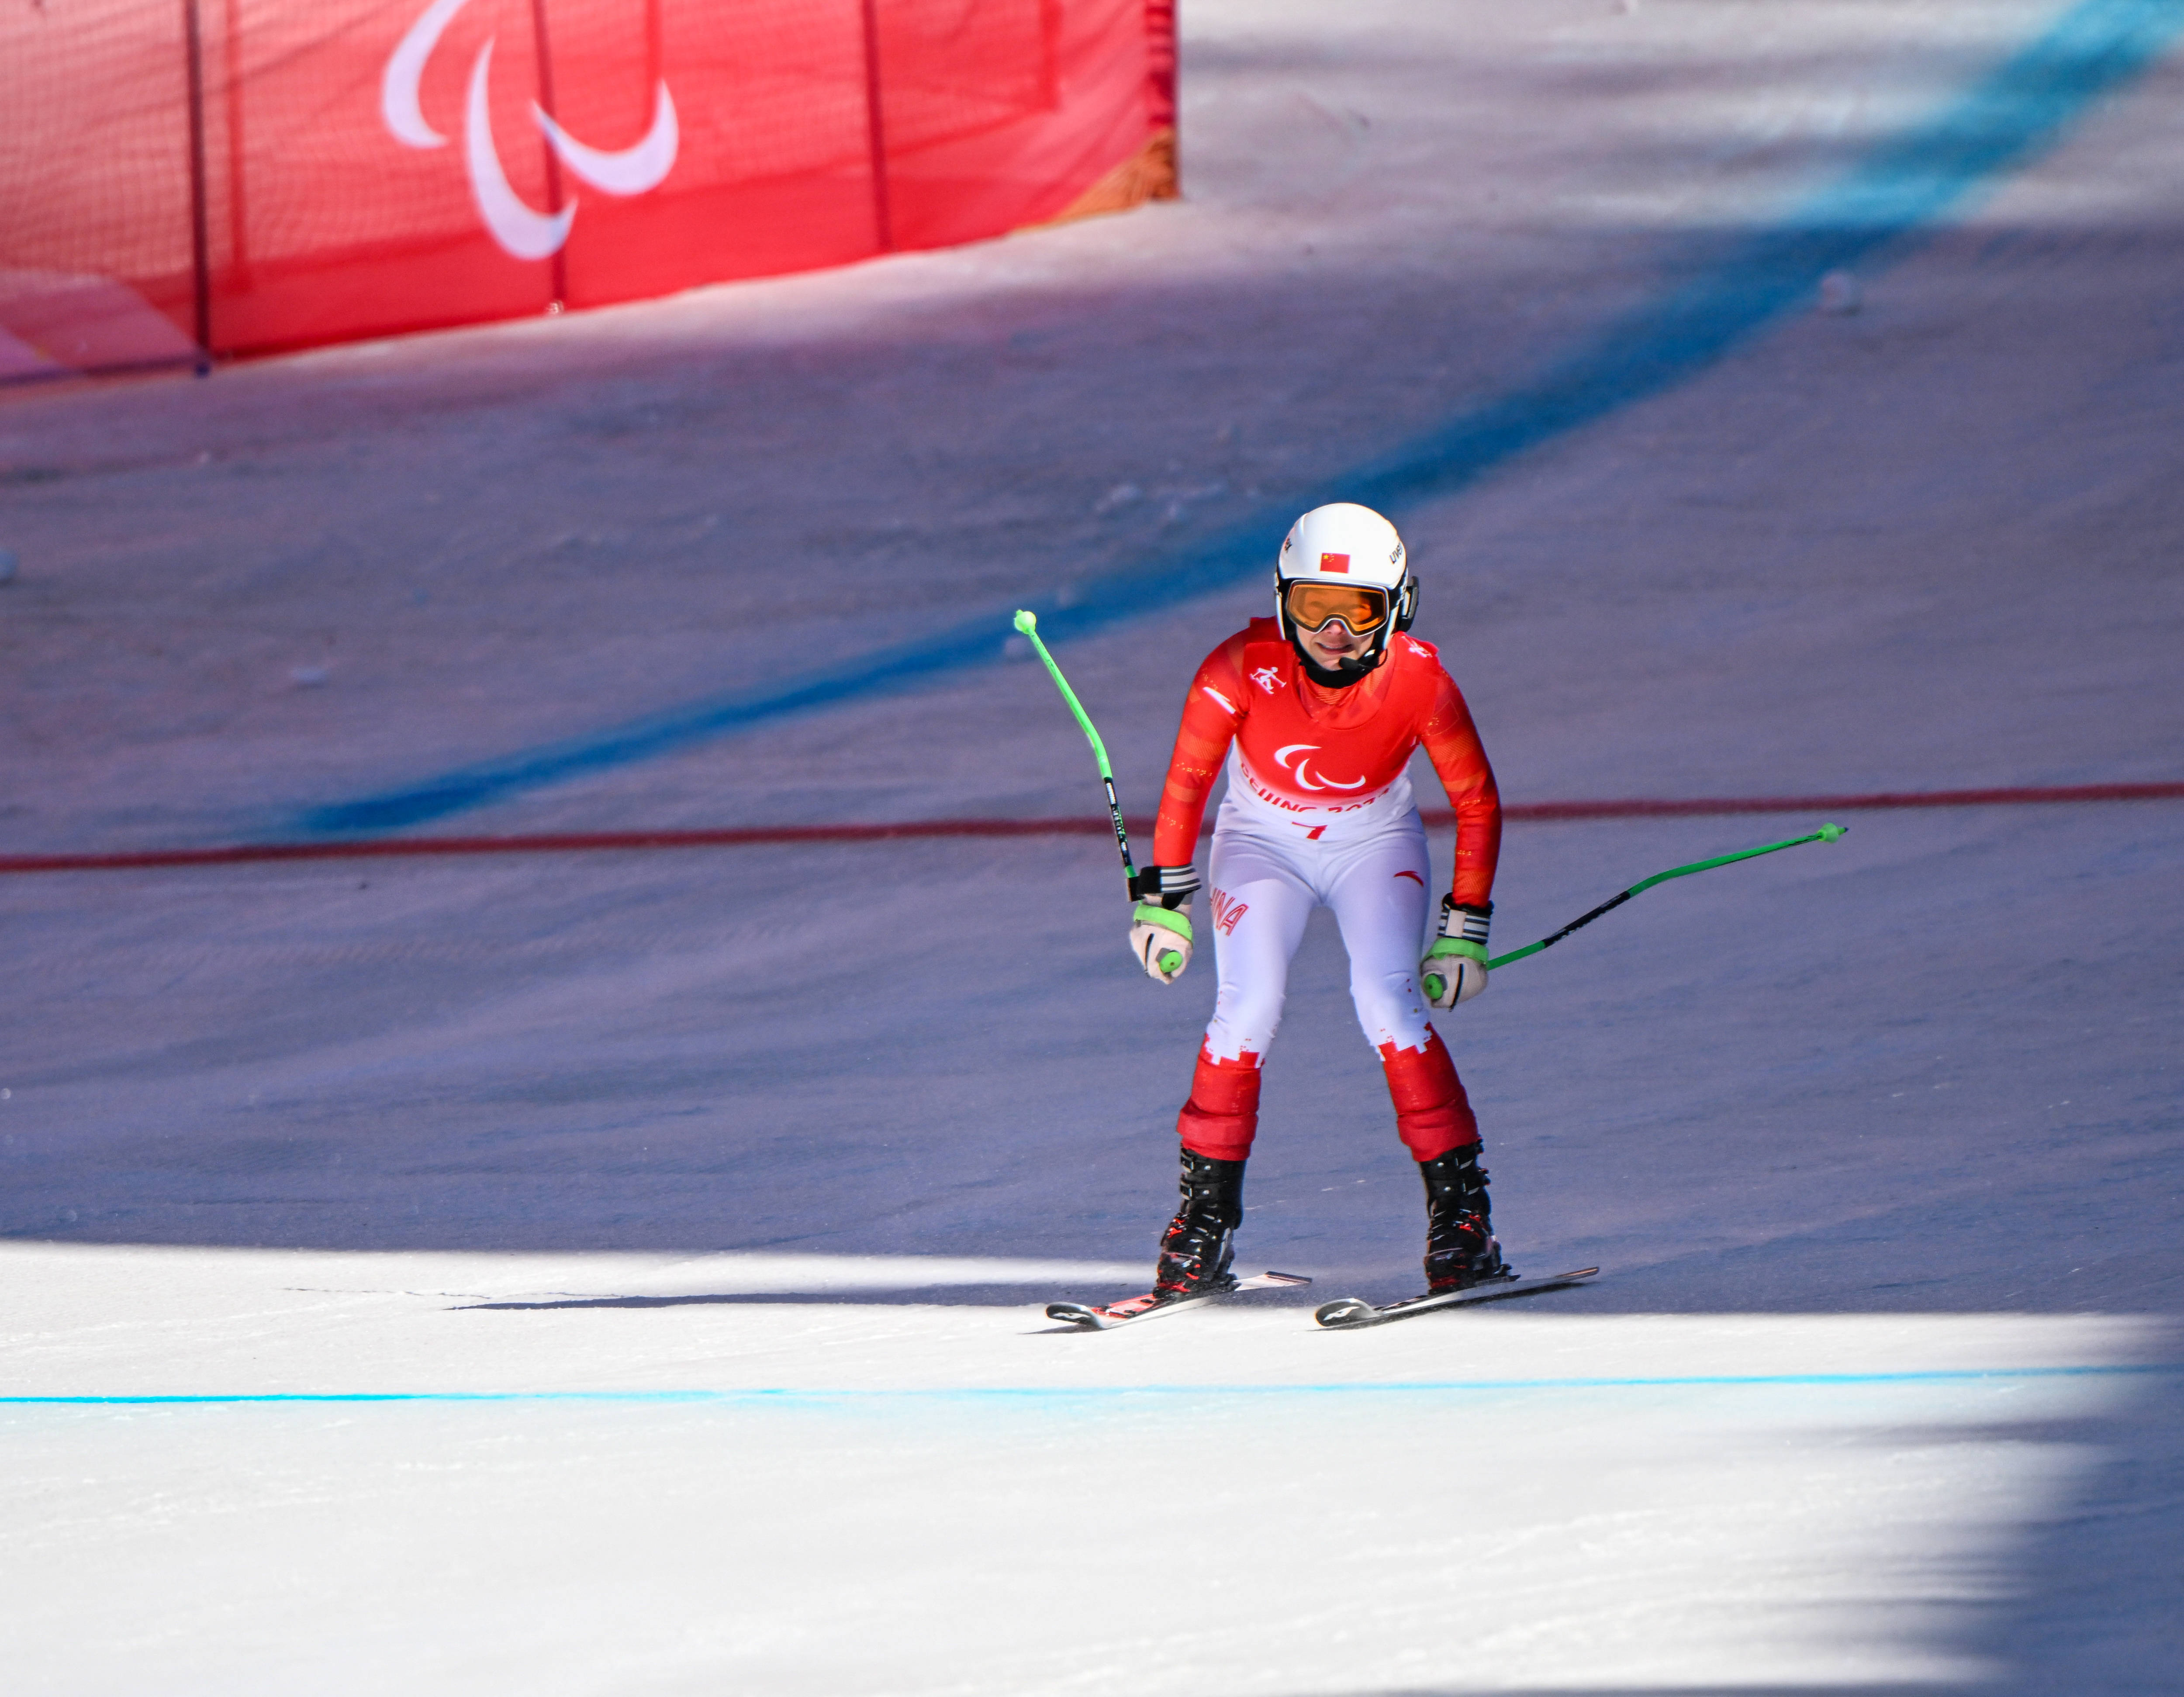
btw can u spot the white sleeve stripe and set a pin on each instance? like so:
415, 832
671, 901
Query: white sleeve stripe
1224, 701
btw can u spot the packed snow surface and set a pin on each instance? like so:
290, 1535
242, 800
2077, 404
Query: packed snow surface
622, 1273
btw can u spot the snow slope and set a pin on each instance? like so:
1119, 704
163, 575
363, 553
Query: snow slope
807, 1133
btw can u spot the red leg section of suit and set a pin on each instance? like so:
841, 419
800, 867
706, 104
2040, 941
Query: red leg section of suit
1222, 1116
1433, 1116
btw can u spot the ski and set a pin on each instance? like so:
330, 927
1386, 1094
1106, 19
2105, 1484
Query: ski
1106, 1316
1349, 1313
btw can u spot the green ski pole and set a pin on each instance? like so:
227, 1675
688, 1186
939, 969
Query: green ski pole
1028, 624
1826, 833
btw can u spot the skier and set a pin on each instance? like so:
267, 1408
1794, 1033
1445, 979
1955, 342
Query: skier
1317, 711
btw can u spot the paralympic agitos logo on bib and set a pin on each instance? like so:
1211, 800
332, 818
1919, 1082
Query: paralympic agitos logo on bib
1302, 772
522, 232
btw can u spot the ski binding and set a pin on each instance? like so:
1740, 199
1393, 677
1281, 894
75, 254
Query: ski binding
1350, 1313
1105, 1317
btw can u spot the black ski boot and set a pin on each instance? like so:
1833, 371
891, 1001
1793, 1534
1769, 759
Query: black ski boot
1200, 1241
1460, 1247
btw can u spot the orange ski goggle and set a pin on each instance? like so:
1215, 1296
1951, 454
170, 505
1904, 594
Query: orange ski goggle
1361, 607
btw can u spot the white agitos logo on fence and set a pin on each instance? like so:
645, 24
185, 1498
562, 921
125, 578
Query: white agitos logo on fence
524, 233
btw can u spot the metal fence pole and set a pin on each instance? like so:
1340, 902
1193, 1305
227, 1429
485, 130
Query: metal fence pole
200, 226
545, 56
876, 129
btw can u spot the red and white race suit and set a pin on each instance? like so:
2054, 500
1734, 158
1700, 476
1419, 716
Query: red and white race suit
1319, 813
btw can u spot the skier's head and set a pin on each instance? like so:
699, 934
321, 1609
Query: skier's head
1342, 584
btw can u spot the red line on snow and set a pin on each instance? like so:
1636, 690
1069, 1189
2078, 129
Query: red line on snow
2016, 797
582, 842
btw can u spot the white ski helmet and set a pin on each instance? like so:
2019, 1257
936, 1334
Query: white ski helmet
1344, 545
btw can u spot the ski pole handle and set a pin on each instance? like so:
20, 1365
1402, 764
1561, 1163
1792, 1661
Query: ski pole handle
1027, 624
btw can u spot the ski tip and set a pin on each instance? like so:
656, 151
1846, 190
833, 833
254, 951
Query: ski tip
1344, 1310
1270, 1276
1074, 1314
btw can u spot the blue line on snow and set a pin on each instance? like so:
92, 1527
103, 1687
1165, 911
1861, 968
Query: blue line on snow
1901, 187
784, 1393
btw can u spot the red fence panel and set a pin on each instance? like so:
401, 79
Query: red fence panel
96, 266
259, 175
1000, 112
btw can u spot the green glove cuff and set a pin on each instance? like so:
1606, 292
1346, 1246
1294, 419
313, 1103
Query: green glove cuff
1447, 946
1166, 919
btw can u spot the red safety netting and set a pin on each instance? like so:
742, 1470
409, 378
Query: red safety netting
246, 175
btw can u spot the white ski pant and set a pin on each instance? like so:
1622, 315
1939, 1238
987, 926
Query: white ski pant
1263, 888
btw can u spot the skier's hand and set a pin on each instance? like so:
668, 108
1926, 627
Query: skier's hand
1455, 968
1160, 938
1452, 971
1160, 924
